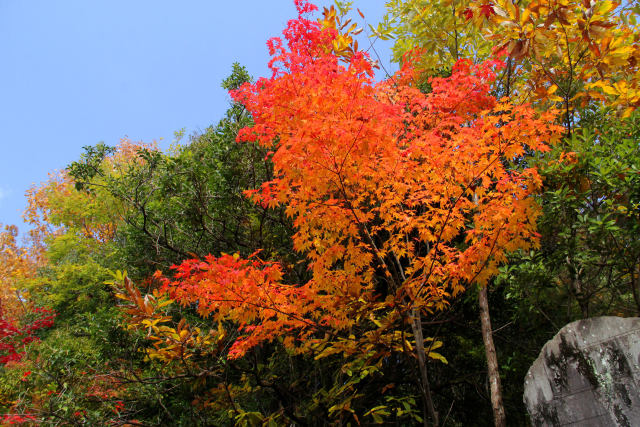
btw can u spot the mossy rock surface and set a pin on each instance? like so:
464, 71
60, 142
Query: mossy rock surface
587, 375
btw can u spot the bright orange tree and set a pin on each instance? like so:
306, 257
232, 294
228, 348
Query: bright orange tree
19, 319
400, 199
15, 266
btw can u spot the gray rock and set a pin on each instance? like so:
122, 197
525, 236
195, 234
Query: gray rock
587, 375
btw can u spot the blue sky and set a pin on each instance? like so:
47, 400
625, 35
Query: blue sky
78, 72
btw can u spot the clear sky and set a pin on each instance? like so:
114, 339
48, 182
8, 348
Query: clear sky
77, 72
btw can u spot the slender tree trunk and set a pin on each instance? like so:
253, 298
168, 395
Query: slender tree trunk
416, 326
635, 285
581, 298
499, 416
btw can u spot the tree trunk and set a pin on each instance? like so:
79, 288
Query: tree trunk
416, 326
635, 285
499, 416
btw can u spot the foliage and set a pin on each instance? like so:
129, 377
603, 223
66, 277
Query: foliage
324, 270
14, 338
567, 53
84, 223
399, 200
590, 247
571, 45
190, 202
16, 266
441, 28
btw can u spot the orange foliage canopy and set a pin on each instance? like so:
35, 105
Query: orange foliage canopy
400, 199
16, 265
18, 319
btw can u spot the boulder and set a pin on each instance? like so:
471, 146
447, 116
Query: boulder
587, 375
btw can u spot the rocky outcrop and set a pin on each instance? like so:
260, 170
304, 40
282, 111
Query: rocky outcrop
587, 375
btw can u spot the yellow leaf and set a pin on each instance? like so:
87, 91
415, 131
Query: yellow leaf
438, 356
609, 90
165, 303
525, 16
436, 345
603, 7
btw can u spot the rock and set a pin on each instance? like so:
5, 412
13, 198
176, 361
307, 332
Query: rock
587, 375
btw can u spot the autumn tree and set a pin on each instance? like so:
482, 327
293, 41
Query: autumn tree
15, 266
19, 319
400, 200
